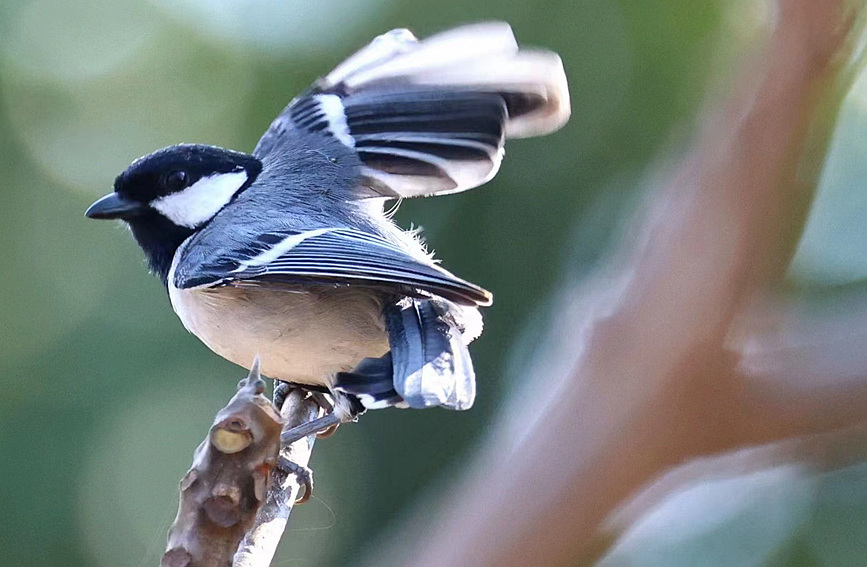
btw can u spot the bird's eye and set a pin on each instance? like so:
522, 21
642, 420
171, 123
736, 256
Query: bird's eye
176, 180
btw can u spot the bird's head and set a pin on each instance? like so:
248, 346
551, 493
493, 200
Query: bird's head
167, 195
187, 184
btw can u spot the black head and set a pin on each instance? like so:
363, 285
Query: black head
168, 195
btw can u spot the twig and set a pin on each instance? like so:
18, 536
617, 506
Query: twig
260, 543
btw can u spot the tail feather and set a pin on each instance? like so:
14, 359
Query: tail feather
428, 365
432, 365
371, 382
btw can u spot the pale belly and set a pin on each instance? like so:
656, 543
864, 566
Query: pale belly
300, 337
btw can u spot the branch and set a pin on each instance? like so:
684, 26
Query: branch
235, 501
227, 480
261, 541
649, 374
823, 452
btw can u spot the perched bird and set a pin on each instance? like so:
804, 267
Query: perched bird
288, 253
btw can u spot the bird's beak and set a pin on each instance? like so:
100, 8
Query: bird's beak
113, 206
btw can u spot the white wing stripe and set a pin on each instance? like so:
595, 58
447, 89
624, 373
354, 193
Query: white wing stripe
439, 140
280, 248
332, 107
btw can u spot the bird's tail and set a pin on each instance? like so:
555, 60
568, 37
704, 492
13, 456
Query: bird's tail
429, 117
428, 365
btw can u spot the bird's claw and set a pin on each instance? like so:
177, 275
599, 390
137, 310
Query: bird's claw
337, 408
302, 473
327, 405
281, 390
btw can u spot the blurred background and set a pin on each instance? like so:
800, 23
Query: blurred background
104, 395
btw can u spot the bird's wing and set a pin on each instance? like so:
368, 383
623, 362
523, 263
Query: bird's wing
330, 256
430, 117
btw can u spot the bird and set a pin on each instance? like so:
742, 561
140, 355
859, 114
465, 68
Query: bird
289, 253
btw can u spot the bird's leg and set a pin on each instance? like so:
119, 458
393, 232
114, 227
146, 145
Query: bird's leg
345, 409
281, 389
302, 473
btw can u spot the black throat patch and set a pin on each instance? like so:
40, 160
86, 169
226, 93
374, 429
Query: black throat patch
160, 239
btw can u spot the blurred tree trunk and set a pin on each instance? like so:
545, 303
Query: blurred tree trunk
662, 373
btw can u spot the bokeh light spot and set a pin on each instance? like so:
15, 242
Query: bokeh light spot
77, 40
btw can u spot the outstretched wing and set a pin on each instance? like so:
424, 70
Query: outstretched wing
328, 256
430, 117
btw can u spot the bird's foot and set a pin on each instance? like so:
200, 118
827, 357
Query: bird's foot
323, 400
345, 409
302, 473
281, 390
338, 408
326, 403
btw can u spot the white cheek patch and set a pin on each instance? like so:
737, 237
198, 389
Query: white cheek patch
202, 200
